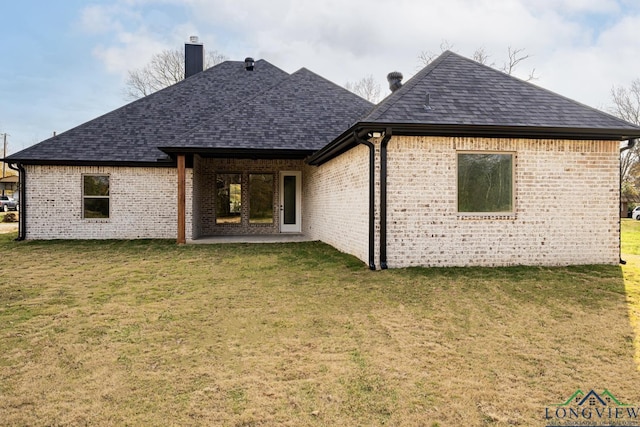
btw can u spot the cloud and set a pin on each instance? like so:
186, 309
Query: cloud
96, 19
574, 44
129, 32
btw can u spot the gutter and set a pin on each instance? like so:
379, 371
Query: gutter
630, 144
372, 193
345, 141
383, 197
22, 216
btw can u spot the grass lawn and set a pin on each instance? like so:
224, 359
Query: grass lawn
150, 333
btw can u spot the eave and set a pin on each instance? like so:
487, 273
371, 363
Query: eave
162, 163
239, 153
346, 141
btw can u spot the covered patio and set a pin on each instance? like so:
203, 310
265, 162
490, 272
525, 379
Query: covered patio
260, 238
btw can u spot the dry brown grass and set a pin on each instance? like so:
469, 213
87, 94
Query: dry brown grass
148, 333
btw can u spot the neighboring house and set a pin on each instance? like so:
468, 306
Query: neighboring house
8, 185
462, 165
626, 201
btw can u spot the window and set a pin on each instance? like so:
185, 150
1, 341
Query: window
260, 198
228, 198
95, 196
485, 182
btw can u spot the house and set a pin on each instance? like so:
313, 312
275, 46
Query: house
461, 165
9, 185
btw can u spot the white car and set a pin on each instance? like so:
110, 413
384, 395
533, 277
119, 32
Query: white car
635, 213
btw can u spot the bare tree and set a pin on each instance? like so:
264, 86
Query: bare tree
626, 105
481, 56
626, 102
515, 57
367, 88
164, 69
426, 57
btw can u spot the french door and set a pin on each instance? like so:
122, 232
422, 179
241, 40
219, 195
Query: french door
290, 202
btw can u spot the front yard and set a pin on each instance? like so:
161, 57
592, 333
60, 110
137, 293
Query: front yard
150, 333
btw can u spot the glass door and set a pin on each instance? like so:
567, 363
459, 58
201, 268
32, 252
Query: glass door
290, 202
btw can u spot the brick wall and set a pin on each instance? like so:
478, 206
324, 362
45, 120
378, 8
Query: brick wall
143, 203
336, 202
566, 205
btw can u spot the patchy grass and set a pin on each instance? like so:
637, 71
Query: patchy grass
630, 231
150, 333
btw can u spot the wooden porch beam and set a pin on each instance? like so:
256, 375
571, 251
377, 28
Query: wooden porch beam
181, 200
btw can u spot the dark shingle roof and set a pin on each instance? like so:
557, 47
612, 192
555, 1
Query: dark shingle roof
268, 110
302, 112
224, 107
133, 133
465, 92
457, 96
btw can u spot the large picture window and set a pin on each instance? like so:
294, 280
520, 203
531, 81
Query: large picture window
485, 182
260, 198
95, 196
228, 198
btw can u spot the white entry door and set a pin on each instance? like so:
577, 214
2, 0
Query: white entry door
290, 202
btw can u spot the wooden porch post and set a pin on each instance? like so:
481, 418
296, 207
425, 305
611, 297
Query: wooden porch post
181, 200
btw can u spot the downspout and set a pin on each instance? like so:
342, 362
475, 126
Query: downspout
383, 197
630, 145
22, 216
372, 193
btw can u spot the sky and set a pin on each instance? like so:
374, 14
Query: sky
63, 63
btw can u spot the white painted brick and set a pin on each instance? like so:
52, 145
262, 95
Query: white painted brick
566, 209
143, 203
336, 202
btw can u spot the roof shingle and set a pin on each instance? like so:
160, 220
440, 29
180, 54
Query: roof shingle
465, 92
302, 112
133, 132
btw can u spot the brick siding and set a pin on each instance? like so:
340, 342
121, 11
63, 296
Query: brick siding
336, 202
566, 205
143, 203
565, 212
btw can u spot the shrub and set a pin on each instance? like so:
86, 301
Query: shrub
10, 217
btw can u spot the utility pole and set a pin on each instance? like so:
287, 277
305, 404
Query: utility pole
4, 165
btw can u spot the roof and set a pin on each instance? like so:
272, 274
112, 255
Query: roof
229, 111
212, 109
303, 112
464, 92
457, 96
11, 179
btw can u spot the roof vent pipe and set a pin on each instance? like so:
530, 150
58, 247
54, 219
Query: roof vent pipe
395, 80
249, 63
